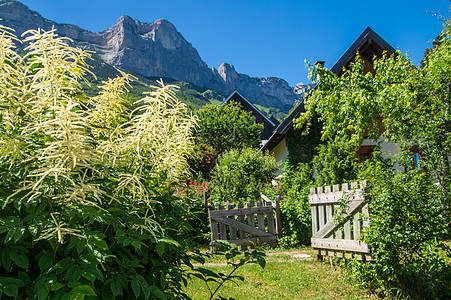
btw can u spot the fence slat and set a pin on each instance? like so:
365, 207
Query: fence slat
314, 219
260, 218
242, 211
222, 227
270, 219
341, 245
244, 227
232, 230
254, 240
321, 217
347, 230
242, 233
328, 228
365, 213
329, 212
214, 228
250, 217
356, 226
278, 219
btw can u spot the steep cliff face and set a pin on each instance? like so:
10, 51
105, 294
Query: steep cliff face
154, 50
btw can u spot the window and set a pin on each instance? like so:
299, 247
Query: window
365, 152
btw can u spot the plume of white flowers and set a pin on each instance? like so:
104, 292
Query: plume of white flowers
11, 104
159, 132
69, 146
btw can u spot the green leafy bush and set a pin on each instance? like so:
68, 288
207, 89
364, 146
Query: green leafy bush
408, 227
294, 207
226, 127
241, 175
335, 163
86, 195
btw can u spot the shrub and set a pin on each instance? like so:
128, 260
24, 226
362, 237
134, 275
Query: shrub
226, 127
408, 227
241, 175
295, 208
87, 205
335, 163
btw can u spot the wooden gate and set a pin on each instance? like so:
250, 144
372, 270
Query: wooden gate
246, 225
337, 229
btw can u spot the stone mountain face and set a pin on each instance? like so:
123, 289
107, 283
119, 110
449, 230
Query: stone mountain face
155, 50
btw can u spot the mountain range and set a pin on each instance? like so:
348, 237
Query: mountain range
155, 50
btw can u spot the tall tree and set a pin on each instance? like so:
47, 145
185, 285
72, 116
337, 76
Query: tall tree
226, 127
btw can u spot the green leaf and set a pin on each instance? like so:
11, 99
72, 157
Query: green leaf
160, 248
159, 294
3, 229
261, 261
77, 297
77, 274
207, 272
6, 261
136, 287
92, 270
80, 245
33, 229
115, 289
100, 244
43, 290
83, 290
24, 277
56, 286
146, 290
45, 261
18, 234
19, 259
11, 290
170, 242
10, 235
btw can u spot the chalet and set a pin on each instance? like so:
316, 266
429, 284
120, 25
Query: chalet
369, 45
268, 123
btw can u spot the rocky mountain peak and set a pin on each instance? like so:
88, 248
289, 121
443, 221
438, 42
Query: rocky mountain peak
155, 49
227, 73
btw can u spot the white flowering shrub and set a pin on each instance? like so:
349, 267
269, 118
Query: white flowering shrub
86, 206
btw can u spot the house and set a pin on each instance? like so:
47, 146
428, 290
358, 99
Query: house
268, 123
369, 44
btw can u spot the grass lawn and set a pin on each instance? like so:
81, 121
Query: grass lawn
284, 277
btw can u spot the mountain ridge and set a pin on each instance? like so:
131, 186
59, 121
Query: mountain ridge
155, 49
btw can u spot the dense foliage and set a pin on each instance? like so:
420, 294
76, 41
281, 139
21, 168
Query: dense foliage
303, 147
226, 127
86, 186
295, 208
241, 175
410, 212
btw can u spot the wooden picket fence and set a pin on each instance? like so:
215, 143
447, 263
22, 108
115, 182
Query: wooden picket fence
246, 225
339, 237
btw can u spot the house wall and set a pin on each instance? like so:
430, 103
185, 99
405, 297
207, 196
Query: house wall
388, 150
280, 152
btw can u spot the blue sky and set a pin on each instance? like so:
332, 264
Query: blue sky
266, 38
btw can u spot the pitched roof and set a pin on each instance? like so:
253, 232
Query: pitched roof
368, 44
268, 124
280, 131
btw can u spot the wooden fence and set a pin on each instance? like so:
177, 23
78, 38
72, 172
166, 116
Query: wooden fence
337, 228
246, 225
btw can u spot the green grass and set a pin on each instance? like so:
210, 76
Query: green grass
284, 277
